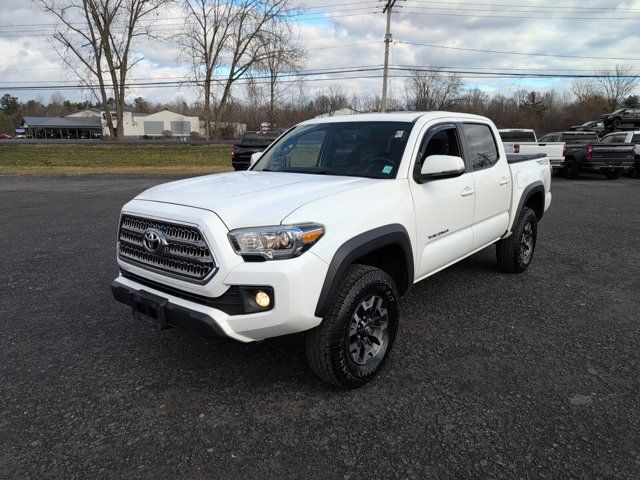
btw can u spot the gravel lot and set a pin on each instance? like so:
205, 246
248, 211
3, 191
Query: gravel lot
493, 376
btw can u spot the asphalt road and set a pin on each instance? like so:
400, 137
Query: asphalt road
492, 376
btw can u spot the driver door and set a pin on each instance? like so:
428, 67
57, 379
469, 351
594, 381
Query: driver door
444, 208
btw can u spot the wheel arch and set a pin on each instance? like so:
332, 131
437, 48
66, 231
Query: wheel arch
387, 248
532, 197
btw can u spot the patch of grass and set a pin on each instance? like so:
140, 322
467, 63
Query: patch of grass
26, 159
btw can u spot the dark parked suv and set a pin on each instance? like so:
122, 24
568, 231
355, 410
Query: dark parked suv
625, 117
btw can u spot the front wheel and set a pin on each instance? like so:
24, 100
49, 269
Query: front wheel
355, 338
516, 251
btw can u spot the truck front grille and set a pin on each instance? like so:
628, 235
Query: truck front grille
182, 250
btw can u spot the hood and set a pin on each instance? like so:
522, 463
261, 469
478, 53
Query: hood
248, 199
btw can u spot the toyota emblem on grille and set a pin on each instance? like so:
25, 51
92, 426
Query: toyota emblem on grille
154, 241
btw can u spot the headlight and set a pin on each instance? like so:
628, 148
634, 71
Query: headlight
277, 242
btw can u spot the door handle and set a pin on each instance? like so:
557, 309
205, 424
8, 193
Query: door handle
504, 181
467, 191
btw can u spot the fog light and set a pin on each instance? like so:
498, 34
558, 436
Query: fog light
262, 299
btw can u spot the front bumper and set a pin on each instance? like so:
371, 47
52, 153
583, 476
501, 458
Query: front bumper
295, 285
170, 315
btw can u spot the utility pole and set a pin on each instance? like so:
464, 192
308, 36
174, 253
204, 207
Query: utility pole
387, 40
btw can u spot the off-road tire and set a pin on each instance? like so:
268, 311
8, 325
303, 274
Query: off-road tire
328, 344
509, 250
613, 174
570, 170
634, 172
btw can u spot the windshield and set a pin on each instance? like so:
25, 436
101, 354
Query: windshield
518, 136
361, 149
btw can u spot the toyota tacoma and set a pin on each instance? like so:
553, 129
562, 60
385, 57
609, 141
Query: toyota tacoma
329, 227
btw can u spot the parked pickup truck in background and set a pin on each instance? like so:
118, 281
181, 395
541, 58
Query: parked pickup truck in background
250, 143
327, 230
625, 117
627, 137
515, 136
525, 142
585, 153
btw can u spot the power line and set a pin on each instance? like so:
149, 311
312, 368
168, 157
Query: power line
464, 73
178, 27
516, 53
546, 7
528, 17
187, 63
531, 10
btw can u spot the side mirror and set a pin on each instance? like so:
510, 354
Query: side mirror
255, 157
441, 166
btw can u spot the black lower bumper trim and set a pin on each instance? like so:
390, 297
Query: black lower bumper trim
173, 315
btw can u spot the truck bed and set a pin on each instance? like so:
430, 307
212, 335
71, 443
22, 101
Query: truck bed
519, 157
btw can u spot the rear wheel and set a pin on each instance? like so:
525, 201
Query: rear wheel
516, 251
613, 173
634, 172
355, 338
571, 170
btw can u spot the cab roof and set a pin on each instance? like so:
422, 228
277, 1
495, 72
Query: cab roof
391, 117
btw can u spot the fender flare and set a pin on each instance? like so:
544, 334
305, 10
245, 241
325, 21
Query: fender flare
527, 193
362, 244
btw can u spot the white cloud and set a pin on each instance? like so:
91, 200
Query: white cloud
28, 57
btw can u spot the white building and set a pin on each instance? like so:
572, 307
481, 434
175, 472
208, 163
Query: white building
138, 125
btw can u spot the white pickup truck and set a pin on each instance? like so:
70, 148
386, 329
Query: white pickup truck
324, 233
524, 141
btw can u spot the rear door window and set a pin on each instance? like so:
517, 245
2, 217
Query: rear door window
483, 152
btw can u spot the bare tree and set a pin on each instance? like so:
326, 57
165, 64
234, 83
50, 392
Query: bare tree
283, 55
330, 99
232, 36
97, 36
247, 46
431, 90
181, 128
208, 27
616, 84
585, 90
254, 95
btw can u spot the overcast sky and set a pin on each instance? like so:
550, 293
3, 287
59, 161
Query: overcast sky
606, 28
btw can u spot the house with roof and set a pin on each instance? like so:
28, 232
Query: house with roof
91, 123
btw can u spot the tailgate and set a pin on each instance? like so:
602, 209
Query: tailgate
247, 151
612, 152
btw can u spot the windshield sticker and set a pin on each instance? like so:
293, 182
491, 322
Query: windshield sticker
399, 133
387, 170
